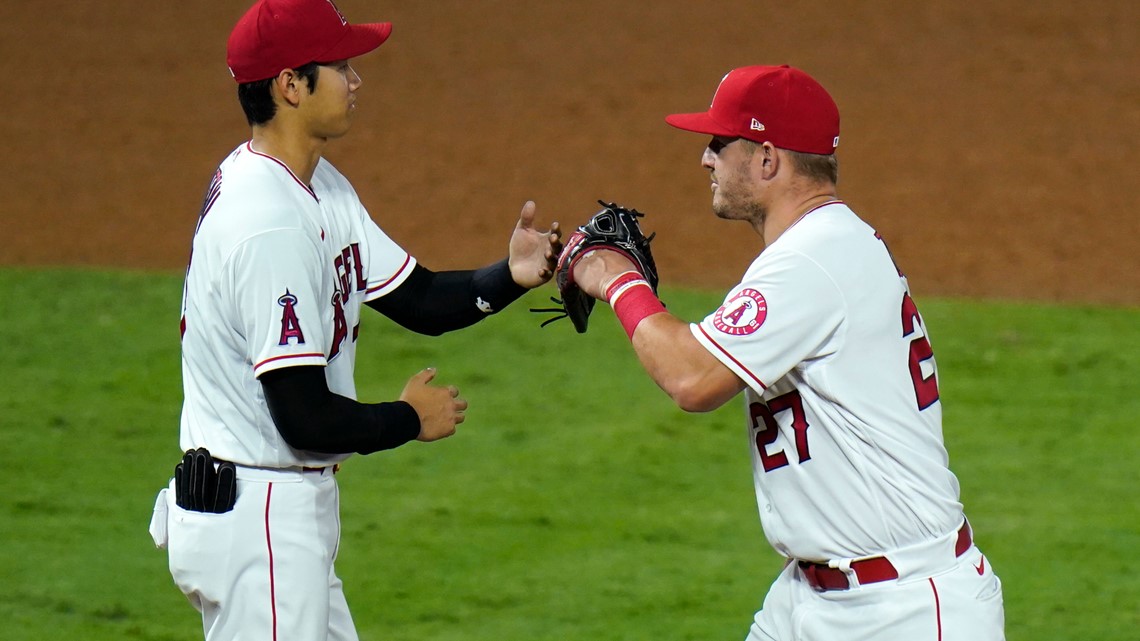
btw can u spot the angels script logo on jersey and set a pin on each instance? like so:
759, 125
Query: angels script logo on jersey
742, 314
350, 279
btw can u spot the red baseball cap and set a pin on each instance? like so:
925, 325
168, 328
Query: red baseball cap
285, 34
781, 105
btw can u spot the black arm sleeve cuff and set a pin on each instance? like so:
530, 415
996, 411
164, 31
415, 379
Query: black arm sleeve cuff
437, 302
311, 418
495, 285
401, 422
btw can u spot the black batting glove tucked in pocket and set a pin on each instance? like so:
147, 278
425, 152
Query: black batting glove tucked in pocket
199, 486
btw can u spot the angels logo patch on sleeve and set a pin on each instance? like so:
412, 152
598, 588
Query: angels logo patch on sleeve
743, 314
290, 325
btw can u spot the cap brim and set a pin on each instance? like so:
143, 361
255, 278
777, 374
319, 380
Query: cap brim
361, 39
700, 123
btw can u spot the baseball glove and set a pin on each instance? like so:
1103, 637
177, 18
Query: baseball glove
614, 228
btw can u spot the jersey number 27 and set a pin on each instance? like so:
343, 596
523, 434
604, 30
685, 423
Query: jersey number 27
765, 414
925, 387
925, 393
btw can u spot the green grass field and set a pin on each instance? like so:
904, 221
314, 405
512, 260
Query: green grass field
577, 502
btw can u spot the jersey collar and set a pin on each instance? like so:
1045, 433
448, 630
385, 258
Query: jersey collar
309, 190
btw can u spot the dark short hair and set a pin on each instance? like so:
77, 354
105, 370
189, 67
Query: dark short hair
256, 97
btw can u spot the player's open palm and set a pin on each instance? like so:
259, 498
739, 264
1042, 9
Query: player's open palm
533, 252
440, 408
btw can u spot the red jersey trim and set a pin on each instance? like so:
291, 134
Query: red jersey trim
249, 146
277, 358
816, 208
732, 358
373, 290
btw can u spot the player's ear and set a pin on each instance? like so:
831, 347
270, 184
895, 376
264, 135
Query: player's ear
287, 85
769, 160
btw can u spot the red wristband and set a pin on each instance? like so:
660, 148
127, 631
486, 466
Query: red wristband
634, 302
620, 283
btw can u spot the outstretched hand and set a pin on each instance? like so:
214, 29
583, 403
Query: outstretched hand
533, 252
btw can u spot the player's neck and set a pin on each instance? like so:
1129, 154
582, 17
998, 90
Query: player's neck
300, 155
781, 217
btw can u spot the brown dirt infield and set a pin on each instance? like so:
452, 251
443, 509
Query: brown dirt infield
993, 147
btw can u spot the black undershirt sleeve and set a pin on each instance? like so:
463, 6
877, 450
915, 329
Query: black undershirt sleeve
312, 418
434, 303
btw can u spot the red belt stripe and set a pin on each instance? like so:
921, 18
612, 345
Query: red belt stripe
873, 570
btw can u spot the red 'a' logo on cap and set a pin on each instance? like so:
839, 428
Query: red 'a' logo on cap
343, 20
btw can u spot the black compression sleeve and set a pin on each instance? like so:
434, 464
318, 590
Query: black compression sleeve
310, 417
433, 303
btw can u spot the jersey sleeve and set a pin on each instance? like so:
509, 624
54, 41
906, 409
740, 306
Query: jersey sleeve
279, 300
386, 263
787, 310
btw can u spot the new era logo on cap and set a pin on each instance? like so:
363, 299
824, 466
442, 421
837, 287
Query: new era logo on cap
781, 105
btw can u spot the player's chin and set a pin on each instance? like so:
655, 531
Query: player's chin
723, 210
337, 132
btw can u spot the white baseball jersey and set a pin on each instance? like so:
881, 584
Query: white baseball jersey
277, 277
844, 422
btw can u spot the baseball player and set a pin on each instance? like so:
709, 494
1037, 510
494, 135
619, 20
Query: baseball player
841, 399
284, 257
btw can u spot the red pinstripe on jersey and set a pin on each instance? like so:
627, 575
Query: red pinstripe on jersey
733, 359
